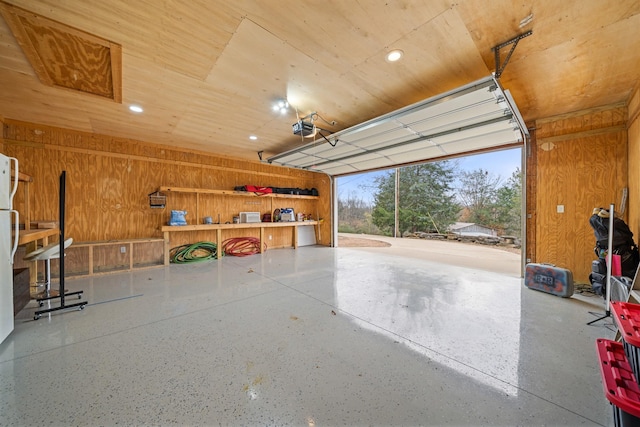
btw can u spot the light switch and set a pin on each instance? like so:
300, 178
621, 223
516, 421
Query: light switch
560, 208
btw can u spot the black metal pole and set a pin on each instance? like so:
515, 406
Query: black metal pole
62, 295
63, 179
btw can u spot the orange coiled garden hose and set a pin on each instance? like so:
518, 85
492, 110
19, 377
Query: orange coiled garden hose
242, 246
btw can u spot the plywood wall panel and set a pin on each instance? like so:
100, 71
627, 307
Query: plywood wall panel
112, 187
633, 154
109, 179
44, 191
577, 173
76, 261
147, 254
581, 121
141, 181
109, 258
76, 194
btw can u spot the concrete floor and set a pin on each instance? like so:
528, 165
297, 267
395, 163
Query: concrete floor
316, 336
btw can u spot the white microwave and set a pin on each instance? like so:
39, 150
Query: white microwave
246, 217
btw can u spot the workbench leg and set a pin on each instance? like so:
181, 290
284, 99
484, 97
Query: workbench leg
166, 248
33, 270
90, 260
261, 239
198, 219
219, 243
33, 265
26, 218
295, 237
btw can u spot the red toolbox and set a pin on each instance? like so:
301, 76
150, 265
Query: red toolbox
627, 317
619, 383
549, 278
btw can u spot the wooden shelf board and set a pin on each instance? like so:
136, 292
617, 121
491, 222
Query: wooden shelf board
117, 242
26, 236
200, 227
22, 177
232, 193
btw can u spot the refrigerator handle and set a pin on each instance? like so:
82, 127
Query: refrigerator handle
15, 183
16, 235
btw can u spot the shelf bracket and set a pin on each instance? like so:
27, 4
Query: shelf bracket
496, 51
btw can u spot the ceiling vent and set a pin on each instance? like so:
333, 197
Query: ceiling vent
66, 57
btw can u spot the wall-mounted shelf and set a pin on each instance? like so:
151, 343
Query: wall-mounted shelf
200, 227
230, 193
168, 229
233, 193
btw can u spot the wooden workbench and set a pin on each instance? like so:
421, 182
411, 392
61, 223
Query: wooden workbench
32, 236
34, 239
168, 229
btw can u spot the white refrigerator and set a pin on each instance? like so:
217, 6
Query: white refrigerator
8, 241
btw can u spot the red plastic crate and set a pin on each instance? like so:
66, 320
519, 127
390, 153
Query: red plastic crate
627, 317
619, 383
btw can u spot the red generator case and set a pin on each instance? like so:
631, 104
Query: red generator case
549, 278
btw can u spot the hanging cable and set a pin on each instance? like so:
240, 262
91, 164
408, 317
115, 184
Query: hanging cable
330, 123
242, 246
195, 252
325, 138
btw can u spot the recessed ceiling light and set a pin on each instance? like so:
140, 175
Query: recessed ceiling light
253, 137
136, 108
526, 20
394, 55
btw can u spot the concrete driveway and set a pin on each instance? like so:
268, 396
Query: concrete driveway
481, 257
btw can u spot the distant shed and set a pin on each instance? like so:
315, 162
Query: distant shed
472, 229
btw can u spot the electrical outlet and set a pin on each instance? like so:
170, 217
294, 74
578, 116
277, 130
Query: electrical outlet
269, 236
123, 249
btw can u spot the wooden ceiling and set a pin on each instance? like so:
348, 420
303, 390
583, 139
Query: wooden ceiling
207, 71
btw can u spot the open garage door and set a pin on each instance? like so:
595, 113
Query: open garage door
475, 117
478, 117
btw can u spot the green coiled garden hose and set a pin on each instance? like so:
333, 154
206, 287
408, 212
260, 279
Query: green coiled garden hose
194, 252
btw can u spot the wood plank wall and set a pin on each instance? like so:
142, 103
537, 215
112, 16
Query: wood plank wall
633, 125
109, 180
581, 165
531, 196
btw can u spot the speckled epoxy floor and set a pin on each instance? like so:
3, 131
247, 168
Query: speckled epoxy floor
315, 336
